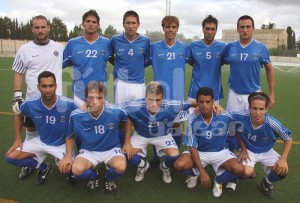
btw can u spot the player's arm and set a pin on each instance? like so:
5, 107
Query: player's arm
65, 163
18, 134
243, 154
204, 177
271, 82
18, 96
281, 166
127, 147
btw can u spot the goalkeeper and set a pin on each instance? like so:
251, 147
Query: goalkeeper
41, 54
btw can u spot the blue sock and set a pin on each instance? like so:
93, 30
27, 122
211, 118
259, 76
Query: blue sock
273, 177
226, 177
122, 136
112, 174
169, 160
42, 167
88, 174
189, 172
155, 155
27, 162
135, 160
177, 136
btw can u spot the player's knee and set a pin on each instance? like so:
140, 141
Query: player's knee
77, 169
180, 165
238, 169
248, 172
120, 165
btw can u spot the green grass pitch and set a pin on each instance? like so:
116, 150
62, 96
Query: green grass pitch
152, 188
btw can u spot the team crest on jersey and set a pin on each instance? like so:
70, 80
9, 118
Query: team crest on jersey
264, 139
181, 55
218, 55
62, 119
102, 52
220, 131
165, 120
141, 51
55, 53
255, 56
111, 126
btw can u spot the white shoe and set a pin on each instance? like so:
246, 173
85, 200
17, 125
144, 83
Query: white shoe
141, 172
231, 186
191, 181
166, 174
217, 190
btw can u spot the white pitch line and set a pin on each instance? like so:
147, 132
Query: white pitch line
279, 68
292, 69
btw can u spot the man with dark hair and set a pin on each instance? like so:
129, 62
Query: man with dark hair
206, 141
258, 132
206, 59
88, 54
50, 114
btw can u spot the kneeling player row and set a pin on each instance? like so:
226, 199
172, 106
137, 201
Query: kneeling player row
96, 134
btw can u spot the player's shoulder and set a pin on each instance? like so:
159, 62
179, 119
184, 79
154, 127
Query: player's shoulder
226, 114
241, 115
78, 112
57, 44
104, 39
66, 99
170, 102
134, 104
143, 37
181, 43
219, 43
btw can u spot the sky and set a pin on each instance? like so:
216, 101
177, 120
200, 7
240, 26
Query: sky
283, 13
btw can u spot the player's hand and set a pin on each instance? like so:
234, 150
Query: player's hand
281, 167
218, 109
84, 107
272, 101
243, 156
16, 102
205, 179
17, 143
128, 149
65, 164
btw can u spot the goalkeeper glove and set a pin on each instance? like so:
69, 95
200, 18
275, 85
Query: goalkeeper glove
16, 102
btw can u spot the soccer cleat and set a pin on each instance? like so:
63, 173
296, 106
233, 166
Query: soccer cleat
71, 180
25, 172
268, 189
93, 184
191, 181
43, 174
217, 190
166, 174
154, 163
141, 172
231, 186
110, 187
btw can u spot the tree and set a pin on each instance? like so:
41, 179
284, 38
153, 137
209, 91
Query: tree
155, 35
58, 30
291, 38
77, 31
110, 31
298, 44
268, 26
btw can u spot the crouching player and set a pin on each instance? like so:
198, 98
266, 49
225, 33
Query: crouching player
152, 119
97, 130
50, 114
206, 141
257, 134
